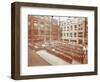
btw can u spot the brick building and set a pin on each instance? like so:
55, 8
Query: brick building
43, 29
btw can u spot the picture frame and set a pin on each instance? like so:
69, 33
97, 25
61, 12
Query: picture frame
22, 15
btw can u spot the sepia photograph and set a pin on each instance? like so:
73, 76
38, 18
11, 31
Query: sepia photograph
53, 40
57, 40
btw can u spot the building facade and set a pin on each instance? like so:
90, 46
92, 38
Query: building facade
74, 30
43, 29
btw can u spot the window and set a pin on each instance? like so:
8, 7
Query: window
67, 34
80, 34
79, 25
80, 41
75, 27
63, 34
70, 34
75, 34
80, 28
71, 28
64, 23
67, 28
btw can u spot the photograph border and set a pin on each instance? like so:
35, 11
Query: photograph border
15, 39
